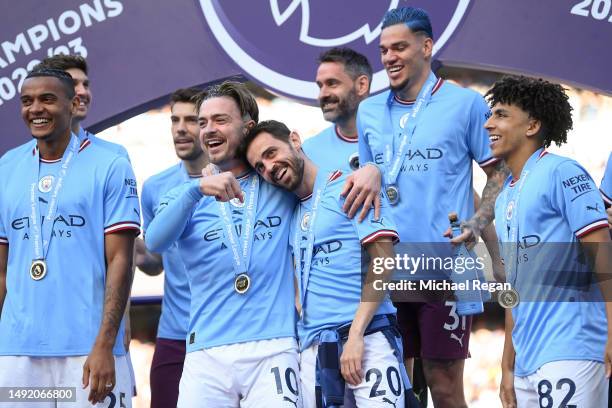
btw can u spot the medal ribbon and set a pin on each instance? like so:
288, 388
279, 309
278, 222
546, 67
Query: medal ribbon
394, 161
41, 245
303, 273
512, 247
241, 255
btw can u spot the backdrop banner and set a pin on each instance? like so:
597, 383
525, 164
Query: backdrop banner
139, 52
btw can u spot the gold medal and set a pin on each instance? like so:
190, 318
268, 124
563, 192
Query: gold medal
38, 270
242, 283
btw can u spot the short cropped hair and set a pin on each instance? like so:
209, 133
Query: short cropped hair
355, 64
64, 77
416, 19
541, 100
275, 128
239, 93
185, 95
64, 62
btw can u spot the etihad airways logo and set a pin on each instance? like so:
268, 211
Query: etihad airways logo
63, 225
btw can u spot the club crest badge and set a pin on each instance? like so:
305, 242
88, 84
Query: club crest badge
45, 184
510, 210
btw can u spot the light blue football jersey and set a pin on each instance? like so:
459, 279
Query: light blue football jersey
332, 150
219, 315
60, 315
557, 204
113, 147
606, 183
436, 174
333, 288
174, 319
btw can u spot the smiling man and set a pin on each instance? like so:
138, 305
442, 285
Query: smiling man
342, 325
76, 66
167, 364
425, 133
232, 231
67, 229
554, 351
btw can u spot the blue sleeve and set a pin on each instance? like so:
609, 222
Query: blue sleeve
121, 206
477, 137
365, 154
370, 230
147, 203
172, 216
575, 195
123, 153
606, 183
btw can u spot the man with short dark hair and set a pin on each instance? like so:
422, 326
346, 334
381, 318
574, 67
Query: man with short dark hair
76, 66
167, 364
558, 347
67, 228
345, 327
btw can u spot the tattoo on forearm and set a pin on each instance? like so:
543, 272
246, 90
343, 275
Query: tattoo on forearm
486, 211
115, 299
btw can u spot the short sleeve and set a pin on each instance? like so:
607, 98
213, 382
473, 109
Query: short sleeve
606, 183
370, 230
121, 207
477, 137
575, 195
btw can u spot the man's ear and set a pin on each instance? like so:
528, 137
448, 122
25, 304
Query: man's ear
362, 86
250, 124
534, 127
295, 140
427, 47
74, 105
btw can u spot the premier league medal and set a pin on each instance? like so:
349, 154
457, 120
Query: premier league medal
508, 299
242, 283
354, 161
38, 270
392, 195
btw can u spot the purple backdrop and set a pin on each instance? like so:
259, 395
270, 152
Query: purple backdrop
139, 52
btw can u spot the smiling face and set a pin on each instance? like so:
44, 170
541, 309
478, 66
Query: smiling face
222, 129
81, 88
510, 129
277, 161
405, 55
46, 109
338, 92
185, 131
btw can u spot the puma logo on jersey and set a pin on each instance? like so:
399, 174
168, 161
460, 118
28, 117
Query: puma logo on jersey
459, 339
291, 401
596, 208
388, 401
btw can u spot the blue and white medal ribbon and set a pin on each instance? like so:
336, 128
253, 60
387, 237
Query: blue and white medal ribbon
394, 160
241, 254
38, 269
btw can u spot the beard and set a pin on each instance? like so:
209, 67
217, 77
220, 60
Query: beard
296, 164
345, 109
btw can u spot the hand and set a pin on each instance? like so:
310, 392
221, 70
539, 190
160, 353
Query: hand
506, 390
351, 358
608, 359
470, 233
361, 190
222, 186
99, 373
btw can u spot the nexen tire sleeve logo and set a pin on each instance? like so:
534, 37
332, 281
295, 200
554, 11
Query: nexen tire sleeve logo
278, 46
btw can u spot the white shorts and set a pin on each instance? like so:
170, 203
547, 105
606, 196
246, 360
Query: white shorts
382, 382
25, 371
254, 374
578, 383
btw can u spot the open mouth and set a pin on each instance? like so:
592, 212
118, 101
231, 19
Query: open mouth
279, 174
215, 143
40, 122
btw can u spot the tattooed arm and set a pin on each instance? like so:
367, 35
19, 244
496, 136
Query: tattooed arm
496, 175
99, 369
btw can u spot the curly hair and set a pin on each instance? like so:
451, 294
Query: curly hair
541, 100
